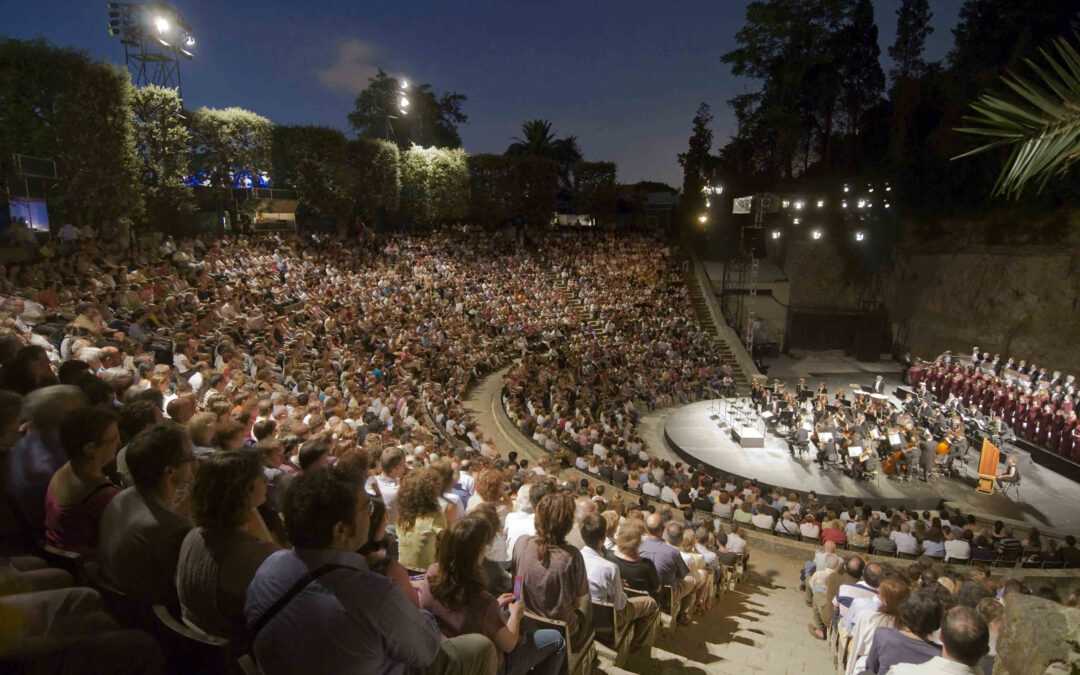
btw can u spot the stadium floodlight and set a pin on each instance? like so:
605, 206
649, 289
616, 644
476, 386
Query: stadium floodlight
847, 188
799, 204
404, 85
860, 235
162, 24
861, 204
887, 204
155, 38
786, 203
843, 204
703, 219
817, 234
820, 203
776, 234
189, 41
796, 221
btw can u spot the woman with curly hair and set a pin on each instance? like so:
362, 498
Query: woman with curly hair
420, 517
219, 557
455, 593
555, 583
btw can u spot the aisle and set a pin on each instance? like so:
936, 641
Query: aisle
759, 627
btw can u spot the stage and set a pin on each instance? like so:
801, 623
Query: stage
694, 432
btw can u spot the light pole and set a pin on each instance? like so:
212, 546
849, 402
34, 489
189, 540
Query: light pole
155, 37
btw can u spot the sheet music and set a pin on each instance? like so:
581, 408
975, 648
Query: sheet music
854, 451
894, 439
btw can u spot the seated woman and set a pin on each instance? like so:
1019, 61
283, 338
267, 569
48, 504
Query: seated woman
420, 518
909, 642
744, 514
933, 546
79, 491
892, 592
455, 593
637, 572
555, 583
695, 562
219, 557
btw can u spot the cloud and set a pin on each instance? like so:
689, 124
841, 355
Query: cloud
354, 65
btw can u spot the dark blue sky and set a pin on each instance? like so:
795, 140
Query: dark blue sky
625, 76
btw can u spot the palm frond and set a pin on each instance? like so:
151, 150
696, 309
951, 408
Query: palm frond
1040, 121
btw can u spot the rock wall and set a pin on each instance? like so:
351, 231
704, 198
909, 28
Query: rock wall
1038, 637
1023, 302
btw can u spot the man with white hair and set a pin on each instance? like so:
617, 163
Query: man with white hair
522, 521
822, 585
38, 454
583, 506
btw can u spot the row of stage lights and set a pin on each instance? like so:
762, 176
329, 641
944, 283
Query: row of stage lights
131, 21
817, 234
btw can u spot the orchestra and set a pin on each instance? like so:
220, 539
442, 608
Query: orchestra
918, 438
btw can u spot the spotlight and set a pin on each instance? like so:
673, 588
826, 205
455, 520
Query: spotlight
816, 234
799, 204
161, 24
775, 234
708, 204
869, 205
843, 204
785, 203
189, 41
871, 189
404, 84
888, 188
820, 203
861, 204
887, 204
703, 219
796, 221
847, 188
860, 236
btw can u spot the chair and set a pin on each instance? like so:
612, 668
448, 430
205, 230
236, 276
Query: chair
1013, 486
190, 650
69, 561
606, 623
577, 661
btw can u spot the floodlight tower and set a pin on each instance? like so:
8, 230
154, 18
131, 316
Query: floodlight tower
155, 37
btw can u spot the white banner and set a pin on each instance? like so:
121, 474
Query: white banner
742, 205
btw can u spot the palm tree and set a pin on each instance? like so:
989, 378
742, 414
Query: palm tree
1041, 123
536, 138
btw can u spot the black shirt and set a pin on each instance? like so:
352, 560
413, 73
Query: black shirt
639, 575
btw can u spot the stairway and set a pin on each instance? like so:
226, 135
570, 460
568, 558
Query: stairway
705, 320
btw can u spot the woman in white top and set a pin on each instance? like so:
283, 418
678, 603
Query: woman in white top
696, 562
891, 593
491, 488
809, 528
787, 524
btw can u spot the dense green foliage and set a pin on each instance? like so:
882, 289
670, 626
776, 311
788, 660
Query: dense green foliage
595, 190
162, 140
60, 105
229, 141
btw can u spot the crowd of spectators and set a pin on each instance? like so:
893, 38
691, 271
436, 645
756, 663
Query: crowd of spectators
266, 438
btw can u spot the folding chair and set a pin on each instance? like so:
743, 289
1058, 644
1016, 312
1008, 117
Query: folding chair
1011, 486
190, 650
577, 660
606, 623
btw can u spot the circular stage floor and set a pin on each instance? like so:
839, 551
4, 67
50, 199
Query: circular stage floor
694, 432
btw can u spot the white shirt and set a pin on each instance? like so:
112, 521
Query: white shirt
605, 581
735, 544
467, 482
809, 530
388, 488
935, 666
650, 489
762, 520
957, 549
518, 524
905, 542
668, 495
599, 450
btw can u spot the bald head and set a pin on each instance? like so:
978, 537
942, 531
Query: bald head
654, 524
583, 506
965, 635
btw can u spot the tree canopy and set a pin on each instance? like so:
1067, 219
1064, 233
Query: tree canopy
431, 119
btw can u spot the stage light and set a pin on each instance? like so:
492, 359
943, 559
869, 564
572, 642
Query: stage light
785, 203
816, 234
871, 189
708, 204
869, 205
161, 24
847, 188
820, 203
888, 188
404, 84
703, 219
843, 204
799, 204
861, 204
189, 42
796, 221
860, 236
887, 204
776, 234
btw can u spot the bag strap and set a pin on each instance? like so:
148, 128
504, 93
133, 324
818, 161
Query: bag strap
294, 590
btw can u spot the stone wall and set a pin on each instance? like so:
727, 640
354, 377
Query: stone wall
1024, 302
1038, 637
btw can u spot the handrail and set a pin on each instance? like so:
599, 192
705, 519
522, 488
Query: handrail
716, 314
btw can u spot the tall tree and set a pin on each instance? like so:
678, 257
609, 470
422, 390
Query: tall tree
862, 80
229, 143
431, 119
162, 141
912, 28
695, 162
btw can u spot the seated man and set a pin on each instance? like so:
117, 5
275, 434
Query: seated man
965, 640
821, 587
141, 529
343, 618
1010, 475
640, 614
670, 567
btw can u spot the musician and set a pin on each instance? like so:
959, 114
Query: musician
927, 453
801, 390
860, 464
879, 385
1010, 475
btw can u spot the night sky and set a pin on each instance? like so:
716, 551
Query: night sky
625, 76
